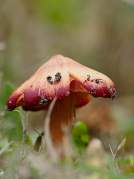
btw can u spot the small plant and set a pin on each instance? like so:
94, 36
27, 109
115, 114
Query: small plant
80, 135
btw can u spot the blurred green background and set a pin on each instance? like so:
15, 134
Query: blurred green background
96, 33
99, 34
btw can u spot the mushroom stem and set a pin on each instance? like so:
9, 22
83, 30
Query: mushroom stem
61, 121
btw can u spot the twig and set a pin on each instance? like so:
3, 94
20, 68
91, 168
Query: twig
112, 152
119, 146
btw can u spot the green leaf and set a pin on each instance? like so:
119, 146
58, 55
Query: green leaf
4, 146
80, 136
27, 138
85, 138
12, 125
5, 93
80, 128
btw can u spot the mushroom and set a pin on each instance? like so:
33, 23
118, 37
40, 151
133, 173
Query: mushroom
71, 83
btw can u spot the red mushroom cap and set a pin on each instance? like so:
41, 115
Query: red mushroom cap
59, 77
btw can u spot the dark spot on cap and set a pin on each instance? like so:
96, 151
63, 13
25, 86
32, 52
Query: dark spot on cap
57, 77
97, 81
44, 101
88, 77
50, 80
